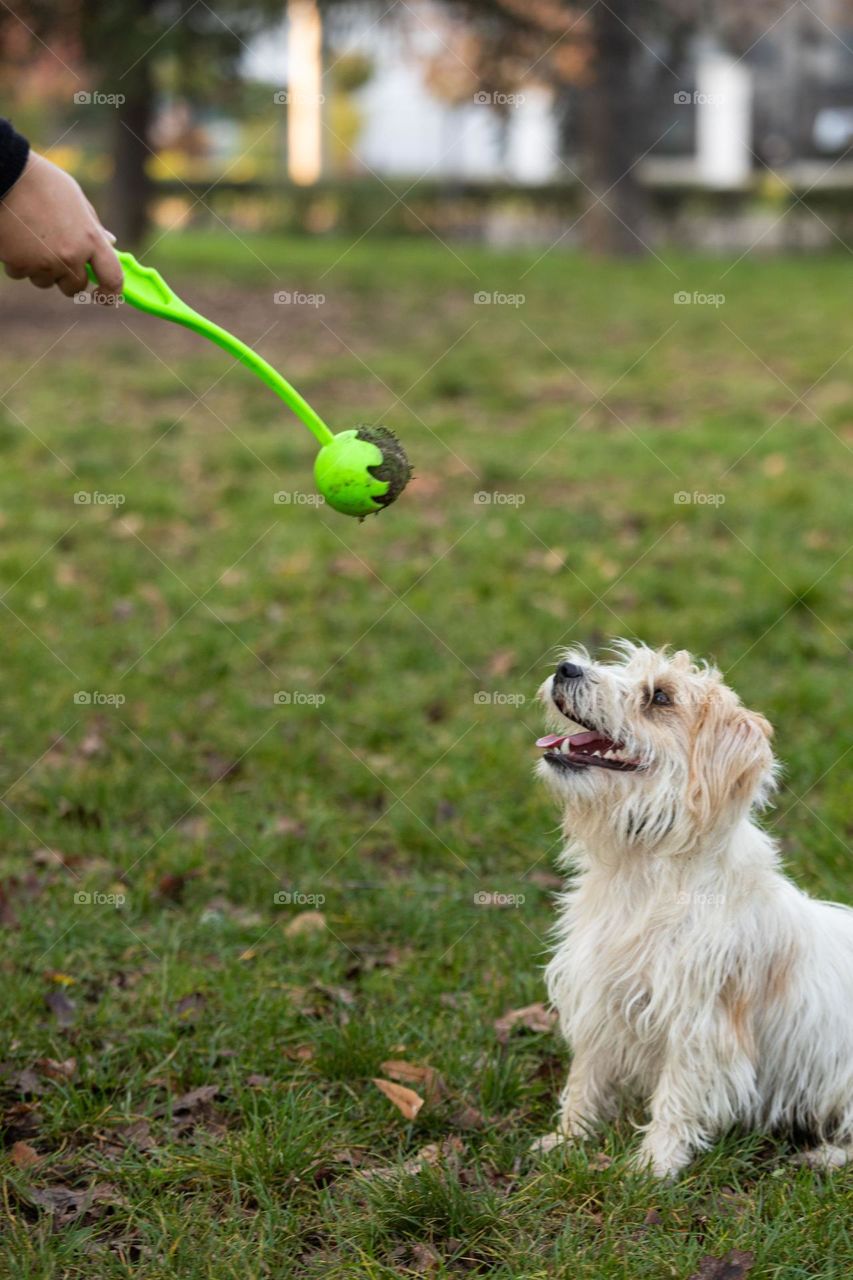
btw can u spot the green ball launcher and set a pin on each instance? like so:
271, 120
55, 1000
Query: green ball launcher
359, 472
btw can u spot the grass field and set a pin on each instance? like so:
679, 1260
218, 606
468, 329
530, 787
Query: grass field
299, 748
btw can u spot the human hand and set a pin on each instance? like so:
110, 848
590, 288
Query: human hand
49, 231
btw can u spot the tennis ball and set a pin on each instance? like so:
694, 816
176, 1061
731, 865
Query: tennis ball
361, 471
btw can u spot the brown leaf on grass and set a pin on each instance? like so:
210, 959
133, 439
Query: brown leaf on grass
27, 1083
57, 1070
188, 1102
192, 1110
501, 662
369, 958
407, 1102
190, 1007
423, 1259
547, 879
734, 1266
306, 922
171, 886
284, 825
67, 1203
533, 1017
300, 1053
408, 1073
61, 1007
256, 1081
23, 1155
21, 1121
218, 767
120, 1138
46, 857
468, 1117
445, 1152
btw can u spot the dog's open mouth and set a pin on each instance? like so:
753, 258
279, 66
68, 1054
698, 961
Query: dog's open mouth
580, 750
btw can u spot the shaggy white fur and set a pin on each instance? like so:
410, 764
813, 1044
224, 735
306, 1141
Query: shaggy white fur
690, 971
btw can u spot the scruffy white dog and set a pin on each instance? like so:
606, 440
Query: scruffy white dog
690, 972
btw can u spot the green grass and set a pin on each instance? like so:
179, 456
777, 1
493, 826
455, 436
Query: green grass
405, 791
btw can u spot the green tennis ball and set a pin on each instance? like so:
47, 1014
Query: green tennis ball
361, 471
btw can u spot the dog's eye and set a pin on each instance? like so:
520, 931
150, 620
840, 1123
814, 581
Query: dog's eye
661, 699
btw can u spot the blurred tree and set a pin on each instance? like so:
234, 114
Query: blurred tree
607, 62
123, 47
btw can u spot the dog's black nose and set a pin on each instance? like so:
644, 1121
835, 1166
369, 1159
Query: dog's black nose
569, 671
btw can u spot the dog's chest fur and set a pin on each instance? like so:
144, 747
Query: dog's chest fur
611, 977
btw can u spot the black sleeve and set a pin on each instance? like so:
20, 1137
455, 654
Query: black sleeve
13, 156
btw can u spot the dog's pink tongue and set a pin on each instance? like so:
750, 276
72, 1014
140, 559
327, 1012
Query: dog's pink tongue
552, 739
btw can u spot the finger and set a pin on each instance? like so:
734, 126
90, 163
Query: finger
72, 284
107, 269
16, 273
43, 279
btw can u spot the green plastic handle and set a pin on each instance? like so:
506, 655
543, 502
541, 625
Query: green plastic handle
146, 289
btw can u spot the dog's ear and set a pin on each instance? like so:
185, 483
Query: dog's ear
731, 762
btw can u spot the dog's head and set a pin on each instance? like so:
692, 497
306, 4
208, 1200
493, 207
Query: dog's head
652, 749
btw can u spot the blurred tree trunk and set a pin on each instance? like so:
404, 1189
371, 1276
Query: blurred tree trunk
609, 135
130, 188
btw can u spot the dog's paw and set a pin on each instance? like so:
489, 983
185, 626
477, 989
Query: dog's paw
825, 1157
661, 1161
547, 1142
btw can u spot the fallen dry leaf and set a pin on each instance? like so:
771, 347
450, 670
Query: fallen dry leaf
468, 1118
284, 825
300, 1053
733, 1266
23, 1155
533, 1017
409, 1073
61, 1007
447, 1152
57, 1070
190, 1007
306, 922
501, 662
66, 1203
405, 1100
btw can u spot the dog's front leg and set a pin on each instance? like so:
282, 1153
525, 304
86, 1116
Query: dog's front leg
706, 1081
586, 1100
